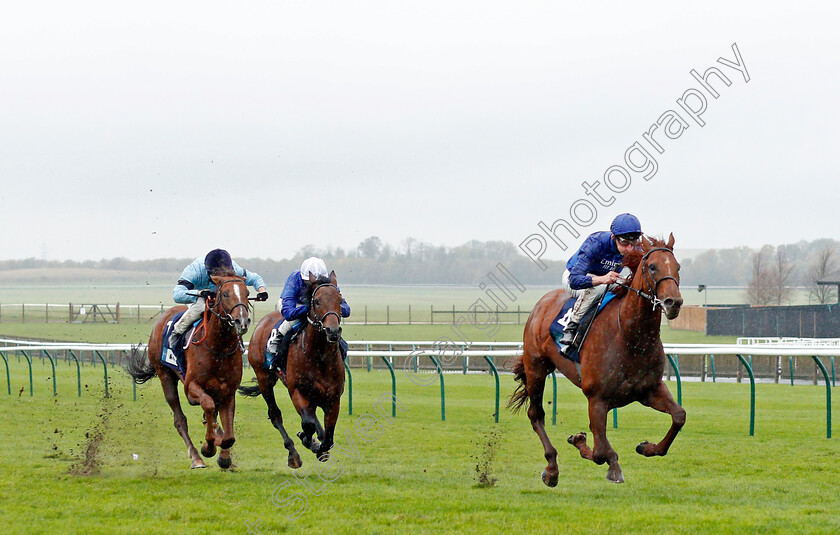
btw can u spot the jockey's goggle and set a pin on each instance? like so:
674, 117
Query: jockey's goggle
629, 239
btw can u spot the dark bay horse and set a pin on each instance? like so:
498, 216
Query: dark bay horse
214, 367
314, 369
622, 359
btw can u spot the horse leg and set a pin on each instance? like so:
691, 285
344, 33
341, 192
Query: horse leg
330, 419
603, 451
226, 439
170, 392
307, 421
662, 401
276, 418
208, 449
535, 385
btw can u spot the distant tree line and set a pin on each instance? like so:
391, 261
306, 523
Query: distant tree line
769, 273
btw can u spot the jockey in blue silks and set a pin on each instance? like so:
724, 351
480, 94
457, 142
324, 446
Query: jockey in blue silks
195, 286
595, 266
295, 309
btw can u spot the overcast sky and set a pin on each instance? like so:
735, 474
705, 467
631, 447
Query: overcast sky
158, 129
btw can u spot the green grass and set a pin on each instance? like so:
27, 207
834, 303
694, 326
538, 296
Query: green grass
420, 474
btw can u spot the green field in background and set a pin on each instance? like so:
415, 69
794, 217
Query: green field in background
420, 474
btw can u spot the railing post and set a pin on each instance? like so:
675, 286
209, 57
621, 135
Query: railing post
676, 367
790, 363
29, 361
752, 393
105, 367
79, 374
712, 361
349, 389
827, 398
393, 387
496, 374
8, 382
442, 394
554, 399
52, 363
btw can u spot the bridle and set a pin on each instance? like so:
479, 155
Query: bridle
319, 322
650, 295
227, 318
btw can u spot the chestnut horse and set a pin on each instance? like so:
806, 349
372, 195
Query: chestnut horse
314, 369
214, 367
622, 359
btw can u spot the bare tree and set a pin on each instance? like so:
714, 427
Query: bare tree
781, 278
758, 290
824, 265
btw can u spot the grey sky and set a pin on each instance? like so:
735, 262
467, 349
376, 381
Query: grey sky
169, 128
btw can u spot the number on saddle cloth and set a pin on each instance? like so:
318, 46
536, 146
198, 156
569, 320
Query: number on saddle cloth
562, 320
174, 357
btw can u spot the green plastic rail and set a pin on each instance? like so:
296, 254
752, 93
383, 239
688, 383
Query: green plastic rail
29, 361
554, 400
104, 367
52, 363
442, 393
8, 381
752, 393
393, 387
496, 374
827, 398
79, 375
349, 390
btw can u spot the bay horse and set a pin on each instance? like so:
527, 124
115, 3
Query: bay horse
213, 367
314, 369
621, 360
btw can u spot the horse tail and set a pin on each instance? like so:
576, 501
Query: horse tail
520, 396
138, 366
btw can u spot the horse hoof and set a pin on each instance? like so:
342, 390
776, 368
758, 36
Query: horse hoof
208, 449
574, 439
197, 464
324, 456
315, 447
294, 461
615, 476
550, 480
224, 462
644, 449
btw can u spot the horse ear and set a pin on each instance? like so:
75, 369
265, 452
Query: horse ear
671, 241
646, 244
332, 277
311, 278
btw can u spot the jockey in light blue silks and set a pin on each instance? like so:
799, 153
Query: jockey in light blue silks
195, 286
295, 309
595, 266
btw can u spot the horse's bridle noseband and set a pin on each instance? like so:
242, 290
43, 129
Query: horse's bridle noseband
651, 294
319, 322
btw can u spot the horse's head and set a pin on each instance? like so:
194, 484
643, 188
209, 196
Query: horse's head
325, 306
657, 273
231, 302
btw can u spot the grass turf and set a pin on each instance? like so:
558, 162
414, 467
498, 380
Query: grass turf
69, 464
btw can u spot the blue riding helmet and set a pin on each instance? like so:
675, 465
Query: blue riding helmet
625, 224
218, 260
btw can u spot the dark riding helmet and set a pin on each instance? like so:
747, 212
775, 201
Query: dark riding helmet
626, 226
218, 260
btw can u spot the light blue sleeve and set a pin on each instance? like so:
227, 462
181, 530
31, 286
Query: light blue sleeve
251, 278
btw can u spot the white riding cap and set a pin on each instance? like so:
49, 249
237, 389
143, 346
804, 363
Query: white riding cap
315, 266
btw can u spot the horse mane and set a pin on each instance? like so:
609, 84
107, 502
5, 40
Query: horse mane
634, 258
309, 287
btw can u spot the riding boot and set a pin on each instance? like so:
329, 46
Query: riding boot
567, 341
342, 346
192, 314
283, 352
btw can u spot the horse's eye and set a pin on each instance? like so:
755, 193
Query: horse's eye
652, 268
317, 302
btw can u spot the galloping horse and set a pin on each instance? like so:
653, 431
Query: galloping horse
622, 359
314, 369
213, 367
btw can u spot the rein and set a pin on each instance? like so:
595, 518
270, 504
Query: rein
650, 295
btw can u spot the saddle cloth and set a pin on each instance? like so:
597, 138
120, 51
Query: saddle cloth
562, 319
174, 357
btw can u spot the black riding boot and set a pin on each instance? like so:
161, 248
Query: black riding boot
283, 351
567, 342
